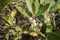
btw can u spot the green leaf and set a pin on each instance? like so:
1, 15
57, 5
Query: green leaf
37, 5
29, 5
22, 11
53, 36
7, 36
57, 31
53, 9
16, 38
42, 9
52, 3
43, 35
18, 28
33, 8
13, 32
58, 2
47, 1
48, 23
10, 20
3, 3
49, 26
42, 1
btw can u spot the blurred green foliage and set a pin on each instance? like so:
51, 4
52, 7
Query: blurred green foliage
18, 24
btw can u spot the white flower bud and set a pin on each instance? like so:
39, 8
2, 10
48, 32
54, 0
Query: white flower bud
35, 24
48, 19
31, 19
40, 24
25, 32
34, 21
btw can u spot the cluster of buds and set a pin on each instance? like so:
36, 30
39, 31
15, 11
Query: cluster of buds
34, 22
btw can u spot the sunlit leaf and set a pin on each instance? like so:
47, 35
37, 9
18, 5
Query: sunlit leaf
10, 20
42, 2
49, 26
33, 33
22, 11
18, 28
37, 5
7, 36
16, 38
53, 9
58, 6
52, 3
13, 13
13, 32
29, 5
10, 17
47, 1
48, 23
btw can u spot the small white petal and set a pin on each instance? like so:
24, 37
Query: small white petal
34, 21
31, 18
25, 32
35, 24
40, 24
